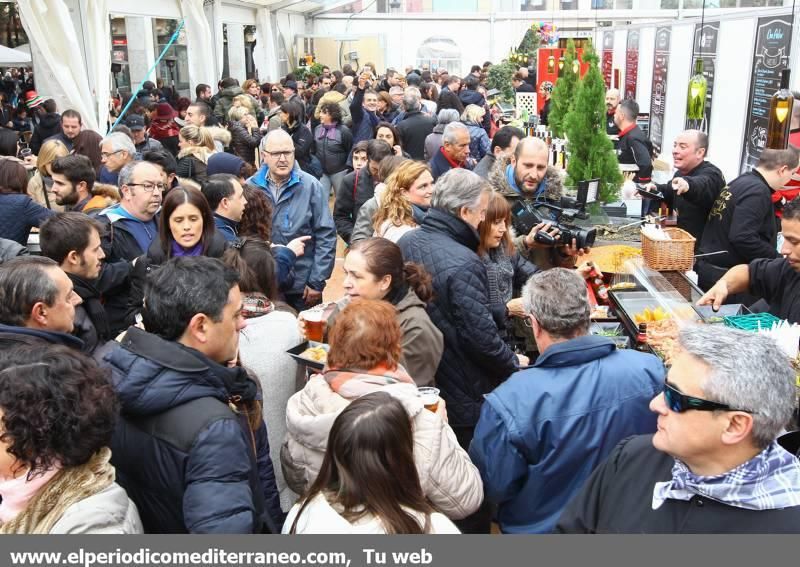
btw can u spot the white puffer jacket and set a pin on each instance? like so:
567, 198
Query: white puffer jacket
448, 478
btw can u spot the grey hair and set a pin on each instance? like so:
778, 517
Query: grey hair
448, 115
557, 300
120, 142
411, 101
24, 282
273, 134
458, 188
747, 371
126, 173
450, 131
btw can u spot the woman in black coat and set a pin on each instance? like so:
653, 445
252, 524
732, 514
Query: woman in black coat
333, 142
291, 121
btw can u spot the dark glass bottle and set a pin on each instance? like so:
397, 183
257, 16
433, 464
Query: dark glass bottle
780, 115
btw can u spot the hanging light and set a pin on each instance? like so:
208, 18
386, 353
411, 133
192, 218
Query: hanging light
698, 85
560, 63
575, 65
696, 101
551, 63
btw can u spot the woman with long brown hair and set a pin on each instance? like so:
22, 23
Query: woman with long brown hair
185, 228
368, 482
405, 200
364, 357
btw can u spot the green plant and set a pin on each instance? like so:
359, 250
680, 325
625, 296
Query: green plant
300, 73
591, 154
500, 78
316, 68
564, 93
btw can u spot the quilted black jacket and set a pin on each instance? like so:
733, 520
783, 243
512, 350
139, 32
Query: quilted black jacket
475, 358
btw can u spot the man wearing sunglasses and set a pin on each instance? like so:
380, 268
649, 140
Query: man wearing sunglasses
775, 280
713, 465
543, 431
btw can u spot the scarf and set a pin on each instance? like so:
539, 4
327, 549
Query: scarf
453, 164
256, 305
65, 488
93, 305
327, 131
500, 273
512, 182
768, 481
178, 250
17, 492
352, 384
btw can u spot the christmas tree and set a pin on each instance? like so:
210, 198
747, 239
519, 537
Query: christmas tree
564, 93
591, 154
500, 78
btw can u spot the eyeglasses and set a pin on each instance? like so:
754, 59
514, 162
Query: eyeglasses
149, 187
285, 154
680, 402
109, 154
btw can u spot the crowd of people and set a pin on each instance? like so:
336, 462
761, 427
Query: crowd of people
145, 384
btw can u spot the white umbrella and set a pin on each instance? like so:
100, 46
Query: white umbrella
12, 57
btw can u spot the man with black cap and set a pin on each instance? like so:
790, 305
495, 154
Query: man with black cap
290, 94
142, 141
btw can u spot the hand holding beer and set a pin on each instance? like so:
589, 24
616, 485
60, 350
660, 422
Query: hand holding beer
313, 323
430, 398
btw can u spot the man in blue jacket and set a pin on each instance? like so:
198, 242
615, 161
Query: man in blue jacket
188, 461
299, 208
543, 431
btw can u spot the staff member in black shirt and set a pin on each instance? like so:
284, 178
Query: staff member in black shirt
633, 147
775, 280
696, 184
612, 102
741, 222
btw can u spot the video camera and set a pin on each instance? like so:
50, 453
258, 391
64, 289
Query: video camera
525, 214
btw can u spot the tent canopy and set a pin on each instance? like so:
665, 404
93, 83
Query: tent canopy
13, 57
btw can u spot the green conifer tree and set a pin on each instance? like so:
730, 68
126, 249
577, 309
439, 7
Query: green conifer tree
563, 96
591, 154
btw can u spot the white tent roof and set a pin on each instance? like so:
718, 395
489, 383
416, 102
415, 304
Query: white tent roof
11, 57
300, 6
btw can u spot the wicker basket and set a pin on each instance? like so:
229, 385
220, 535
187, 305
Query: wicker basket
669, 255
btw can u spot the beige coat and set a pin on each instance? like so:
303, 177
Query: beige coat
448, 478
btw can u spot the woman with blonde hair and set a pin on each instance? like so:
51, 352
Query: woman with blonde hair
405, 201
246, 101
196, 145
40, 187
479, 143
245, 135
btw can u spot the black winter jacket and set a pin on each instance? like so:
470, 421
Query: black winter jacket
18, 214
742, 222
349, 199
153, 260
244, 143
414, 128
332, 154
91, 320
634, 150
49, 125
119, 245
475, 358
303, 145
618, 498
705, 184
197, 477
11, 336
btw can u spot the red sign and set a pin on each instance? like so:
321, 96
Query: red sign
123, 41
608, 57
631, 64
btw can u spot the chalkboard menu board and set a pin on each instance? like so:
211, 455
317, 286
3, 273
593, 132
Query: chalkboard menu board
705, 48
608, 56
658, 101
631, 64
771, 56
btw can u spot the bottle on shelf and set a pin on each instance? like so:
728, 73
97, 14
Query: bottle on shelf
780, 115
549, 138
553, 155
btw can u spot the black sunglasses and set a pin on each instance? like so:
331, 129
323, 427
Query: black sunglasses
680, 402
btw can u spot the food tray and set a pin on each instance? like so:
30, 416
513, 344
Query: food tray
295, 353
752, 322
712, 317
666, 255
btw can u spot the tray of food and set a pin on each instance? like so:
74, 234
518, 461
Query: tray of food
613, 331
310, 354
